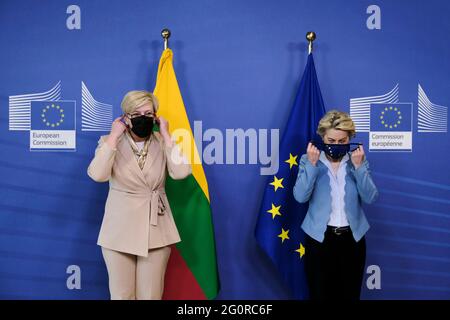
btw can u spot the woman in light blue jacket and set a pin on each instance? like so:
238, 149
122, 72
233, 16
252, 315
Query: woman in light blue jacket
335, 182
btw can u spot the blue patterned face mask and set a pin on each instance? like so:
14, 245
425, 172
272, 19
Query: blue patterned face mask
335, 151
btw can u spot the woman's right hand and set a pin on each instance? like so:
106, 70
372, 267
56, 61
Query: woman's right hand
117, 129
313, 154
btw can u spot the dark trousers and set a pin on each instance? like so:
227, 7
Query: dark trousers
335, 267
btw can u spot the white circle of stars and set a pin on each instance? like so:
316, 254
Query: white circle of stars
49, 108
391, 124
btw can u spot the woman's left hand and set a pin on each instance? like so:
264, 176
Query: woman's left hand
358, 157
163, 125
164, 130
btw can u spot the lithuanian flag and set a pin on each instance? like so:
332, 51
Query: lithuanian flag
192, 270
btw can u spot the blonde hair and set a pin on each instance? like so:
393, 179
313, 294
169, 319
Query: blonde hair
338, 120
137, 98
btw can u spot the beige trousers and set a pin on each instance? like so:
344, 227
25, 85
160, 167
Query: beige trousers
136, 278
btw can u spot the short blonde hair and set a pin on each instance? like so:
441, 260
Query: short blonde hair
338, 120
137, 98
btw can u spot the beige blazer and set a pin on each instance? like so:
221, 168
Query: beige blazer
137, 214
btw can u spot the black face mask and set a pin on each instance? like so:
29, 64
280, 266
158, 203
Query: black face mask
142, 126
335, 151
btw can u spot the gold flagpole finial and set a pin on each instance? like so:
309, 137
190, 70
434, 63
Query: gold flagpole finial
165, 33
310, 36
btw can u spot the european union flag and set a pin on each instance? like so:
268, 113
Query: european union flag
278, 229
391, 117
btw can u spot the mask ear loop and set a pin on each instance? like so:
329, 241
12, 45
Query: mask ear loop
122, 119
359, 144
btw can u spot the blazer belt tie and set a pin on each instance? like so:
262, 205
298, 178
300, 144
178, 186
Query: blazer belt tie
157, 206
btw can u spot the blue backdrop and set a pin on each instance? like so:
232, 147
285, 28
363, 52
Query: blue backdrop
238, 65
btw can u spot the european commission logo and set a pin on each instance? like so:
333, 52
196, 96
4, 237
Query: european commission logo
51, 121
390, 122
391, 127
53, 125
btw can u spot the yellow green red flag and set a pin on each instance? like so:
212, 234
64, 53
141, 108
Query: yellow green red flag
192, 270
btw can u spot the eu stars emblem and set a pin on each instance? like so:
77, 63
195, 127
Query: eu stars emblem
391, 117
53, 115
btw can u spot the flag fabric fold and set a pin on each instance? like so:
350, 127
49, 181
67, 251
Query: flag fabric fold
278, 230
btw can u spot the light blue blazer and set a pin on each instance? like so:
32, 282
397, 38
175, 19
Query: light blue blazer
313, 185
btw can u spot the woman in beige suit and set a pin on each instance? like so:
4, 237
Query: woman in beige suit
138, 225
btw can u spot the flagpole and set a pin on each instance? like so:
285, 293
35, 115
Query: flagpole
310, 36
165, 33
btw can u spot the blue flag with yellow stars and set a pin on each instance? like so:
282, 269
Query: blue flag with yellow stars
278, 229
